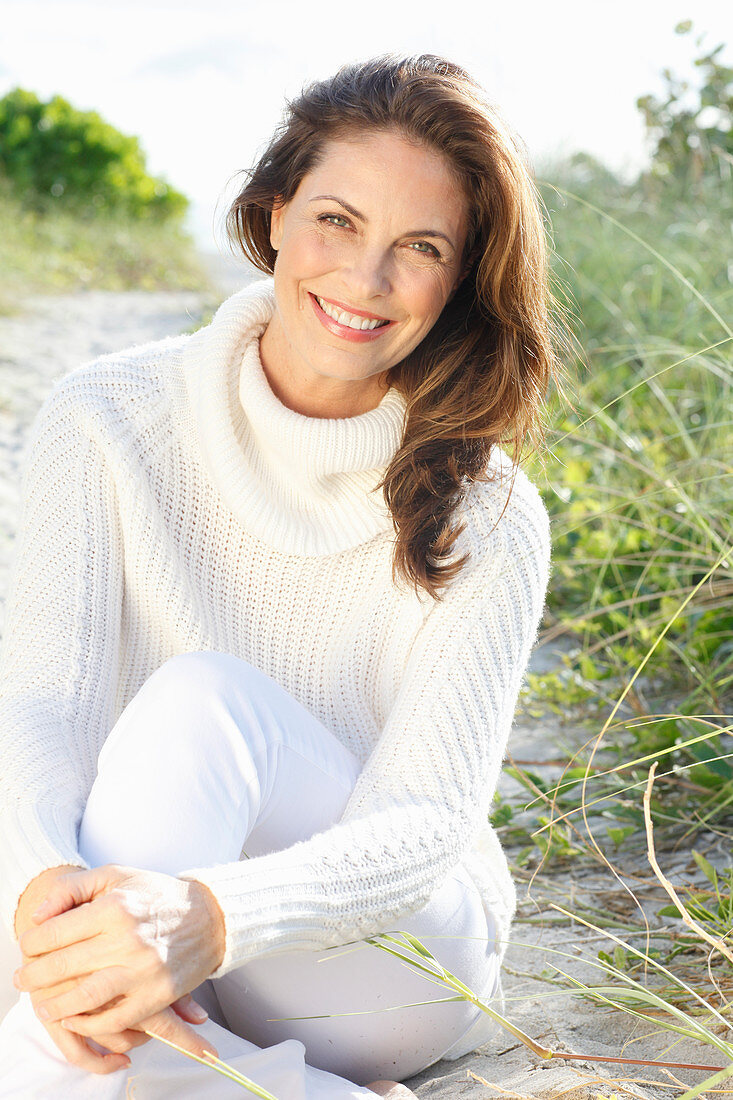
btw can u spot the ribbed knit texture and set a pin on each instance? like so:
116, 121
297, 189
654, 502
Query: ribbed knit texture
171, 503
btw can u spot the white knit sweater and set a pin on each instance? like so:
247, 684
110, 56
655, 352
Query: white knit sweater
171, 503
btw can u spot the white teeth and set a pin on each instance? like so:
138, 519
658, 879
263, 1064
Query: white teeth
348, 319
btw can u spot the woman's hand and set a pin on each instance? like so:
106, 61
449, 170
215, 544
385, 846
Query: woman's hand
131, 941
74, 1048
78, 1052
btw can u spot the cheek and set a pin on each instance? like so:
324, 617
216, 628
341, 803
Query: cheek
429, 298
308, 254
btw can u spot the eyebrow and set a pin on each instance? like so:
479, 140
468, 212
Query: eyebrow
355, 213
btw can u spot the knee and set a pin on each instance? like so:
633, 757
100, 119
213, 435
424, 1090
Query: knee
191, 678
179, 706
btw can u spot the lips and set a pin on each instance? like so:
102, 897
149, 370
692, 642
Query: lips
357, 321
341, 307
345, 331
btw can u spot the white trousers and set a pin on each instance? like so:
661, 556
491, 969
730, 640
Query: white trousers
212, 760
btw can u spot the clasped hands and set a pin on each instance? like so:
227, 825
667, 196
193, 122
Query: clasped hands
114, 951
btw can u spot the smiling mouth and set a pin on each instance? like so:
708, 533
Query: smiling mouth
355, 321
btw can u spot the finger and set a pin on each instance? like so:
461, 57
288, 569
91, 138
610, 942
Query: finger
63, 964
166, 1024
169, 1026
190, 1010
61, 931
54, 903
121, 1041
118, 1016
91, 994
77, 1052
72, 889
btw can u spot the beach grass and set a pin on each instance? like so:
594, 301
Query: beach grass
63, 252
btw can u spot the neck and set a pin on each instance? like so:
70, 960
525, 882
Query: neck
301, 483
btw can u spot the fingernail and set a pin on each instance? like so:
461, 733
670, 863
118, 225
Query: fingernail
43, 1013
16, 979
199, 1013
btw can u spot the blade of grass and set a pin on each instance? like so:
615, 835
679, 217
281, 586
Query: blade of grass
710, 1083
221, 1067
642, 382
667, 885
655, 963
629, 685
441, 975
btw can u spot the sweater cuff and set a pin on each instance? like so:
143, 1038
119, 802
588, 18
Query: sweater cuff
270, 904
28, 850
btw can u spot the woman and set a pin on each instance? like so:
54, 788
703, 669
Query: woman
253, 710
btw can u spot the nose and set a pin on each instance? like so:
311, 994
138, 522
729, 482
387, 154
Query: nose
367, 276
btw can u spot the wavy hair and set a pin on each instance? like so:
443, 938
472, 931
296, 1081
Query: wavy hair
479, 377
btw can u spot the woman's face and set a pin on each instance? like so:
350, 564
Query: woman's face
369, 251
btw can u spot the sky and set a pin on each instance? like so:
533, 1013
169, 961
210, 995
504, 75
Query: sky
203, 85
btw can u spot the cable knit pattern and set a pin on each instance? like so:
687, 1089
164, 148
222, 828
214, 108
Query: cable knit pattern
172, 504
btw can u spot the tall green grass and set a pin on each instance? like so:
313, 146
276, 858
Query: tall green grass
639, 479
639, 483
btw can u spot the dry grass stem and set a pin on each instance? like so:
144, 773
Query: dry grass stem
669, 888
428, 965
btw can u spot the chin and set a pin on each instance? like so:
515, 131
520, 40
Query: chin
336, 363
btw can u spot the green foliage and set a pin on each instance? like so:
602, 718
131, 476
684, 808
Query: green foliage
693, 128
712, 908
60, 252
638, 481
638, 477
55, 155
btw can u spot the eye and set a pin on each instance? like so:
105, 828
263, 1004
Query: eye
332, 219
425, 248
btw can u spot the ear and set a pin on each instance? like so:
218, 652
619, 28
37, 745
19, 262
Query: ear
276, 222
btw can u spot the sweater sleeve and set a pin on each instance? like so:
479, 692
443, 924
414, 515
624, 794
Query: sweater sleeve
424, 793
58, 662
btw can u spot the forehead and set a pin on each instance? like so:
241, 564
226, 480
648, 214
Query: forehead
385, 176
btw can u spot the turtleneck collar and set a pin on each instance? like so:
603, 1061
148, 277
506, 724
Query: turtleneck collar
304, 485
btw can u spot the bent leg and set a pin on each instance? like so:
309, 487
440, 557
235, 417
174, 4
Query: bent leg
213, 757
191, 770
370, 1020
242, 765
177, 784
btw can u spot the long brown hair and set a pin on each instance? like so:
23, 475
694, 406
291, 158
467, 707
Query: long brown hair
479, 378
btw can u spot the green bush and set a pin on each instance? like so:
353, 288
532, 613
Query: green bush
55, 155
693, 131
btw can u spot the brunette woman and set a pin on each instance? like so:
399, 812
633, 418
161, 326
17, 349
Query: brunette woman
274, 594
